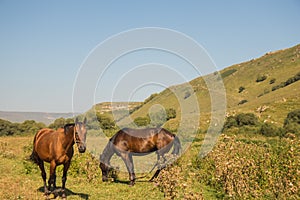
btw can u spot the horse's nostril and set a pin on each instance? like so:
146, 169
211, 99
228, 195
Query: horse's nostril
82, 149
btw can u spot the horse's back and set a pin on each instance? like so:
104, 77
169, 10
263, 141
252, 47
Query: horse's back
142, 140
141, 133
44, 139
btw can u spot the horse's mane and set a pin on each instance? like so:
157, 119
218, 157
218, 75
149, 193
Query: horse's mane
68, 126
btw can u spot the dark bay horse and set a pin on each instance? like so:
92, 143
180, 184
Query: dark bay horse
56, 148
128, 142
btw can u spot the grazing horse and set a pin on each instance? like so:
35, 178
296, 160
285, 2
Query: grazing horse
56, 148
128, 142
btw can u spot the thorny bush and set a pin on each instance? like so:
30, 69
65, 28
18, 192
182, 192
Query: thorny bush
253, 169
175, 183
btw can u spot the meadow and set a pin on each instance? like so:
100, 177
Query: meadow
241, 166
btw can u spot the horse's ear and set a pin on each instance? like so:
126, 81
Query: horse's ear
85, 120
76, 120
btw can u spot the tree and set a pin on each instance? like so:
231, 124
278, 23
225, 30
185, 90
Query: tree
105, 121
8, 128
58, 123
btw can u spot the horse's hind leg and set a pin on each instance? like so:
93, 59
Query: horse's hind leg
43, 173
52, 177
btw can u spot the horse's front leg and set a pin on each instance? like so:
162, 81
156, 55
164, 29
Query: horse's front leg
64, 179
127, 158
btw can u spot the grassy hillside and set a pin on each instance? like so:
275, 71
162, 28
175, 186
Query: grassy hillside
255, 79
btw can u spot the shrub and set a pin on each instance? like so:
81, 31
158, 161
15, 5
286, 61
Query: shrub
243, 119
293, 117
175, 184
171, 113
287, 82
142, 121
228, 73
261, 78
241, 89
270, 130
230, 122
273, 80
242, 102
292, 122
252, 170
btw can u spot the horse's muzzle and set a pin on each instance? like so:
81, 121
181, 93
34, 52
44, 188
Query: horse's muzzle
81, 148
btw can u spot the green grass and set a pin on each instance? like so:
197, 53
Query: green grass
21, 179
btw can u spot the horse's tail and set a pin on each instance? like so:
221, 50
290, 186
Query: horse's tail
177, 146
33, 156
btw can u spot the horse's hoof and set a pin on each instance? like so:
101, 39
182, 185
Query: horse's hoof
64, 196
131, 183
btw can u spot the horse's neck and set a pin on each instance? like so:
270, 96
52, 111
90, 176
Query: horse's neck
69, 138
107, 153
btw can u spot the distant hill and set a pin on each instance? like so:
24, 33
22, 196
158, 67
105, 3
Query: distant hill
115, 106
46, 118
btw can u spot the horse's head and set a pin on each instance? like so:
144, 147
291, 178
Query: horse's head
80, 135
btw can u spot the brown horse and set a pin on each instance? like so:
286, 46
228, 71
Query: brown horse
128, 142
56, 148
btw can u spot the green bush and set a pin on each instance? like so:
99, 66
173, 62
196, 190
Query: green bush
243, 119
242, 102
273, 80
28, 127
171, 113
261, 78
246, 122
228, 73
292, 122
142, 121
270, 130
230, 122
60, 122
241, 89
287, 82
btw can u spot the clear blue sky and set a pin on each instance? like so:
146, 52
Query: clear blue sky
44, 43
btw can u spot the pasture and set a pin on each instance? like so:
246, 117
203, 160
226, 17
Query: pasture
241, 166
